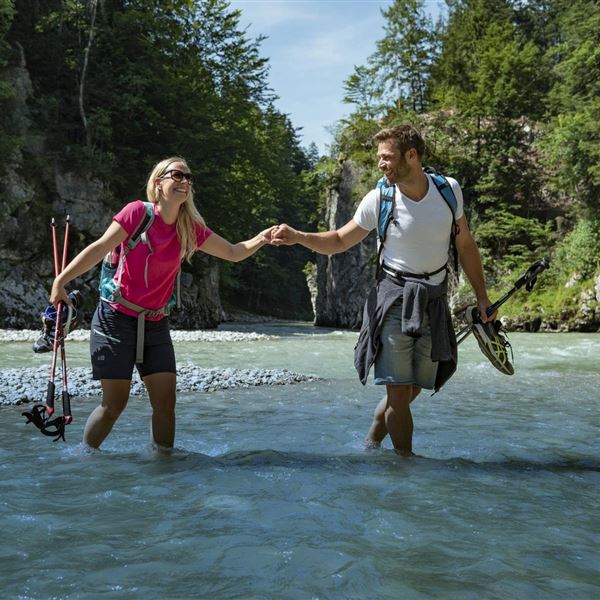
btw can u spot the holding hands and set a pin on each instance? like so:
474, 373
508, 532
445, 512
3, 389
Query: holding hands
283, 235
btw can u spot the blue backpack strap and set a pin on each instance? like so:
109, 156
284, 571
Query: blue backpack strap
387, 194
445, 189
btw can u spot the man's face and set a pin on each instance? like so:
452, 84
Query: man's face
392, 163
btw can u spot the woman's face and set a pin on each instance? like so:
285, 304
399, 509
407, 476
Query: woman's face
176, 183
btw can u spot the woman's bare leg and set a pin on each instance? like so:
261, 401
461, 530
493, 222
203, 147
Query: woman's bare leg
162, 391
115, 394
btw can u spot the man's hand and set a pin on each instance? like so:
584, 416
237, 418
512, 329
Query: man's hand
483, 305
284, 235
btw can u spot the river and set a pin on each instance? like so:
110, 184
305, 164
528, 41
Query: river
270, 494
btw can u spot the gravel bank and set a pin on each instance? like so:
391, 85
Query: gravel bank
18, 386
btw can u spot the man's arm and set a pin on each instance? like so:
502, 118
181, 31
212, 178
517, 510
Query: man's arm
470, 260
327, 242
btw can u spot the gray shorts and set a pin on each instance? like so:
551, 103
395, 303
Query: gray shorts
403, 359
113, 339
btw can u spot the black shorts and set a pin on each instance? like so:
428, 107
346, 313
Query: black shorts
113, 338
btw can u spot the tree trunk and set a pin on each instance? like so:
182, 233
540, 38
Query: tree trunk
86, 55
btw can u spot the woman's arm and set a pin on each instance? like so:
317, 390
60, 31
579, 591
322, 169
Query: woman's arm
89, 257
217, 246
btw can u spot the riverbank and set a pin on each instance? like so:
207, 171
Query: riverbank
200, 335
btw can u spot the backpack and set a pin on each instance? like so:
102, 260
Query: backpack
386, 210
112, 265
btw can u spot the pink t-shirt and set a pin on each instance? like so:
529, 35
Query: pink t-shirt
151, 286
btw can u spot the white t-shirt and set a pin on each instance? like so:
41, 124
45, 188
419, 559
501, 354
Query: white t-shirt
419, 235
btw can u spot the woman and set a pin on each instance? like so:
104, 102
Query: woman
147, 281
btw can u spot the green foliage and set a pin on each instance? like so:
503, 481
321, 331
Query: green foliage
512, 112
572, 143
398, 72
463, 41
547, 301
361, 89
405, 54
506, 92
510, 243
9, 138
175, 77
579, 252
487, 69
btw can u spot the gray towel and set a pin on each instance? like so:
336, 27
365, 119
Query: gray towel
414, 303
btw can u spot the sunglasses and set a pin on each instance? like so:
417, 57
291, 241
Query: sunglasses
179, 176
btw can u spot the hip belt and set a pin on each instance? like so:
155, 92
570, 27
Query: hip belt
141, 323
397, 274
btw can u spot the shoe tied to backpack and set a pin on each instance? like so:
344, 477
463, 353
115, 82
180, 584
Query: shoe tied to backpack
71, 319
492, 341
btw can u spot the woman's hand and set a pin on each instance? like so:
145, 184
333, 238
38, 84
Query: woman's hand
58, 293
267, 234
89, 257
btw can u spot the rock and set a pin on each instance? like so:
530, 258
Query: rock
343, 280
574, 279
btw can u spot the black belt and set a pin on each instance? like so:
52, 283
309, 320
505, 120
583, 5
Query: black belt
404, 274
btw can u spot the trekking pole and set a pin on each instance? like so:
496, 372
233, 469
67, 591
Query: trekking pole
528, 279
50, 392
40, 414
66, 399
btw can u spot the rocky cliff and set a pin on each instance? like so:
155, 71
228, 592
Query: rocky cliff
30, 197
341, 282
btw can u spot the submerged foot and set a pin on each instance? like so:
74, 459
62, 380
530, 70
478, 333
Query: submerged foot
160, 449
372, 444
404, 452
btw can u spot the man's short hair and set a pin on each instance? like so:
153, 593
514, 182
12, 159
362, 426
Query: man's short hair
405, 137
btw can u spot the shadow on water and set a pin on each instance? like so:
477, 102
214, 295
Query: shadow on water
387, 458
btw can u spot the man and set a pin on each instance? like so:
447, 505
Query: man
406, 329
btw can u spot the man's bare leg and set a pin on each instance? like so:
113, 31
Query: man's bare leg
379, 428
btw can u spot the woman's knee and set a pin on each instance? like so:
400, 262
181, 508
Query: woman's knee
115, 395
165, 405
111, 411
162, 389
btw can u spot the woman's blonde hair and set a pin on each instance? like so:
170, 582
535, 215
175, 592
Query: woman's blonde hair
188, 214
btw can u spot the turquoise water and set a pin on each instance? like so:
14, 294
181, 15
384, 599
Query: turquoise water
270, 494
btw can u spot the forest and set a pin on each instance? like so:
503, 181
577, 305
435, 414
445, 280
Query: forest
505, 91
